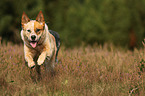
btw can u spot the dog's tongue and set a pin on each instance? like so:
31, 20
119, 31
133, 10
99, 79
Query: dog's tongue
33, 44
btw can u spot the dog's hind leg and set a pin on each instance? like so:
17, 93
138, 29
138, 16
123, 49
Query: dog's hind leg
31, 70
38, 71
32, 74
49, 66
35, 73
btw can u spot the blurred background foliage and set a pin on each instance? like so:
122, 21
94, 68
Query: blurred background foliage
79, 22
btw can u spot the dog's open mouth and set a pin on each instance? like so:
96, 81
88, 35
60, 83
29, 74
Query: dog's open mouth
33, 43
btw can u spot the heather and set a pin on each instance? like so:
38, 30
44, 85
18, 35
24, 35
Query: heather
82, 71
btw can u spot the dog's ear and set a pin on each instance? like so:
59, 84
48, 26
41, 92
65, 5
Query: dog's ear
25, 19
40, 18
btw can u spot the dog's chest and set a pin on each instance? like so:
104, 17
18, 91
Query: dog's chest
37, 51
36, 56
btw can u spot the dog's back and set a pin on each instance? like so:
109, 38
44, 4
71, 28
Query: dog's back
57, 40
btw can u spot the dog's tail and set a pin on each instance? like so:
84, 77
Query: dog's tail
57, 40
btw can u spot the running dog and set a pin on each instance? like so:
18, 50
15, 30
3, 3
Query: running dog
41, 45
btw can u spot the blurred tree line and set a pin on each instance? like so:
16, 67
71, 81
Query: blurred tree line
79, 22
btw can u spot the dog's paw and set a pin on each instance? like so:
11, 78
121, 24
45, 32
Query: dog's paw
40, 60
31, 65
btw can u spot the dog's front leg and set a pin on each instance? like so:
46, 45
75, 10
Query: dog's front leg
30, 61
41, 58
28, 57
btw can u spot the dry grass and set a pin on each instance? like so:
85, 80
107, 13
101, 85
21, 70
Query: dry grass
90, 71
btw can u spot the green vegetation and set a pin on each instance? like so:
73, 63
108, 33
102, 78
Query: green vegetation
79, 22
89, 71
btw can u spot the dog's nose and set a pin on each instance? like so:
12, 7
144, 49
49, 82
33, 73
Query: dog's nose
33, 37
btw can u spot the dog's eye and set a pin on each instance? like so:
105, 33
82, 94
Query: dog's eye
29, 30
37, 30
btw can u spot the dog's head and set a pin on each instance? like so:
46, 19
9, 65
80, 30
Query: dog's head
33, 29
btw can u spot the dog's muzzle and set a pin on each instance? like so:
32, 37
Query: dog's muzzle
33, 41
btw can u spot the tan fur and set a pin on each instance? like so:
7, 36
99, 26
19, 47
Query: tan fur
45, 42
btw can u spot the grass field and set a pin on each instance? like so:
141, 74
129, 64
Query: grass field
89, 71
